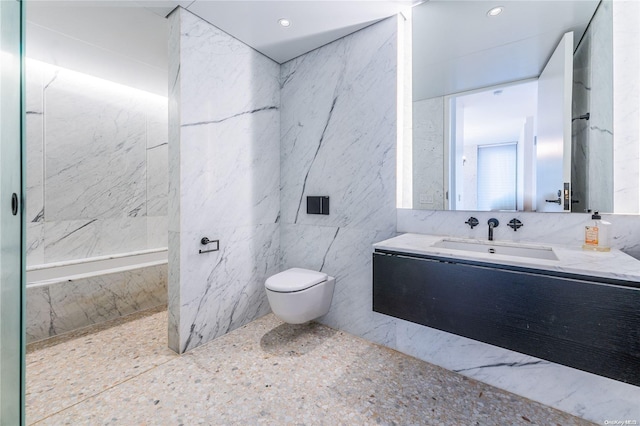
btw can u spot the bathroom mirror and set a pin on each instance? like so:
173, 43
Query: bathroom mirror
486, 136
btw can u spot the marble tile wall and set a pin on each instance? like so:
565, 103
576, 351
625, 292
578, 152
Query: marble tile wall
96, 166
224, 180
592, 140
339, 134
428, 154
601, 140
553, 228
626, 100
58, 307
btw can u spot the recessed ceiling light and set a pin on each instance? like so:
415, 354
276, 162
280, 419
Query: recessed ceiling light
284, 22
495, 11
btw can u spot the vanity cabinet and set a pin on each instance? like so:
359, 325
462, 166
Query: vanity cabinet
576, 320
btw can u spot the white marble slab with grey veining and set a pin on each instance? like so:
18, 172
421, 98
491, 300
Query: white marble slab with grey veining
224, 148
571, 259
74, 302
338, 138
338, 122
104, 149
566, 229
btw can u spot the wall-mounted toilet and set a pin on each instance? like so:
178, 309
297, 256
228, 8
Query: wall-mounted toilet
299, 295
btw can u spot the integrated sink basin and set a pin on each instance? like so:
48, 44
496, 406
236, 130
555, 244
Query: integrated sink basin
506, 249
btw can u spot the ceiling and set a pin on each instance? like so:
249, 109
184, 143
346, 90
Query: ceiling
314, 23
126, 40
497, 115
456, 47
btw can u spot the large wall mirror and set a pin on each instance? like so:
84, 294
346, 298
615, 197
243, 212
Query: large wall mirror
513, 108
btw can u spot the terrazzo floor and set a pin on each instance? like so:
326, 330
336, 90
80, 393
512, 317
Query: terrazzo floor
266, 372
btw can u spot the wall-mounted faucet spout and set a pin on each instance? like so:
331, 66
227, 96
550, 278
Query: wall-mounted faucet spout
493, 223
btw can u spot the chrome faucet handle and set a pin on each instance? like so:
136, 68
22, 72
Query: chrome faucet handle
472, 222
493, 223
514, 224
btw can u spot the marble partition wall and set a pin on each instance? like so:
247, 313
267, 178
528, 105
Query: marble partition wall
339, 134
96, 166
224, 180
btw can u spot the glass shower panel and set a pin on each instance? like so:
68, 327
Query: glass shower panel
11, 263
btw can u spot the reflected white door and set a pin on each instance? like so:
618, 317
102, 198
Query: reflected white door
553, 149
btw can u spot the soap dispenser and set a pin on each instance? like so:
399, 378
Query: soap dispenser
597, 234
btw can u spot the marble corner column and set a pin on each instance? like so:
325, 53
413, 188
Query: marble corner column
224, 180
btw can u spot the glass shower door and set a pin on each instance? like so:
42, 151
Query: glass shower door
11, 260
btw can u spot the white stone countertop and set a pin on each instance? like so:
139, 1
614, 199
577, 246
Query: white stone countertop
571, 259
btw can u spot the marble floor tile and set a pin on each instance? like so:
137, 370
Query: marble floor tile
268, 372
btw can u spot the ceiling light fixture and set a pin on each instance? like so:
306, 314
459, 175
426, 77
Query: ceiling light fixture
284, 22
495, 11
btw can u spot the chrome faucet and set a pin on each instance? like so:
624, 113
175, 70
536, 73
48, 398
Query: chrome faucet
493, 223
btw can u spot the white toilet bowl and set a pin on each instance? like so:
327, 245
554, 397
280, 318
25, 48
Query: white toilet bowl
299, 295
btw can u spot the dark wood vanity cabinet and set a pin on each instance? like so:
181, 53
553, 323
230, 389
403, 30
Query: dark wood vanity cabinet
578, 321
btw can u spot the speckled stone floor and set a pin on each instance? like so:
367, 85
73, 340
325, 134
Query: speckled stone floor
267, 372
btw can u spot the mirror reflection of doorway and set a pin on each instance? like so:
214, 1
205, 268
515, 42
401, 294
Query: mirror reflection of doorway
497, 177
492, 155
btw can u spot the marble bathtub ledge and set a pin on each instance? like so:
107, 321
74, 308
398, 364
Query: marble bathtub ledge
571, 259
94, 259
102, 272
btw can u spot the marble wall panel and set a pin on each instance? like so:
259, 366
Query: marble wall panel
339, 120
35, 243
552, 228
157, 190
231, 78
79, 239
583, 394
601, 140
59, 307
626, 98
339, 135
106, 163
157, 158
224, 290
428, 154
35, 140
35, 167
95, 136
343, 253
224, 184
157, 231
229, 171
